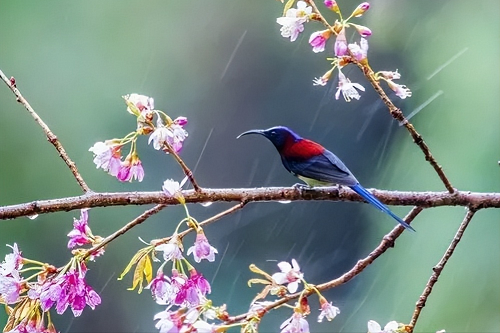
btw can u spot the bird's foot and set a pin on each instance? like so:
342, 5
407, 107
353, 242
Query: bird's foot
302, 187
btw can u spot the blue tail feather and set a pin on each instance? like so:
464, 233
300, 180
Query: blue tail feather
375, 202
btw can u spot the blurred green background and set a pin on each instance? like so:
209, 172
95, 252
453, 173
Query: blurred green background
224, 65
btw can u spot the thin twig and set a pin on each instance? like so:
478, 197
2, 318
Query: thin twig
397, 114
386, 243
138, 220
51, 137
203, 223
394, 111
184, 167
93, 199
439, 268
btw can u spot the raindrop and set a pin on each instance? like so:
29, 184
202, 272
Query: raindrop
32, 217
285, 201
206, 204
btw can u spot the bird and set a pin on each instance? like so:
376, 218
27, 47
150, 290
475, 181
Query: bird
317, 166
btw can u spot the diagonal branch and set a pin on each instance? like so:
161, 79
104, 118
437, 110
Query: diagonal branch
203, 223
394, 111
138, 220
184, 167
51, 137
386, 243
439, 268
397, 114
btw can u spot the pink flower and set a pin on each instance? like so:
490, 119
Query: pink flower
161, 288
168, 322
13, 261
318, 40
360, 51
193, 291
290, 274
293, 21
401, 90
178, 280
181, 121
131, 169
348, 89
10, 287
295, 324
176, 137
140, 103
68, 290
173, 134
81, 234
175, 322
340, 46
107, 156
200, 282
327, 310
202, 248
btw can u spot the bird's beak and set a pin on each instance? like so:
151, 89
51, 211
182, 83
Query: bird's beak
261, 132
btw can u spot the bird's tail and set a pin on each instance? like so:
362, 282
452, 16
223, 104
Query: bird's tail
375, 202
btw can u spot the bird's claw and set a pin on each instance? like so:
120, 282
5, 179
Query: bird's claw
302, 187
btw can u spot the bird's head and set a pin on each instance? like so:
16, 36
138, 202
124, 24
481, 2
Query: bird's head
279, 136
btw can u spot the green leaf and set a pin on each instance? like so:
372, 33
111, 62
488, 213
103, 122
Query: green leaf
288, 5
132, 262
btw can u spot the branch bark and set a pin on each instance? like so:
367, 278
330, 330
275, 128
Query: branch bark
479, 200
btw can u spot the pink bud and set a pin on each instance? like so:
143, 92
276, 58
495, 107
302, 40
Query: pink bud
361, 9
340, 46
332, 5
363, 31
181, 121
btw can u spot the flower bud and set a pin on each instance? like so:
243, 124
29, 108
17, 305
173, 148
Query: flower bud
362, 30
340, 47
360, 10
332, 5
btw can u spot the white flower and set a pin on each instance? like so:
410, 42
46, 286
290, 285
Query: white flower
329, 311
102, 154
374, 327
293, 21
142, 103
289, 274
204, 327
295, 324
171, 250
401, 90
348, 89
171, 187
159, 136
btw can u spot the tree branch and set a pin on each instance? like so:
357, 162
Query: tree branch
386, 243
439, 268
138, 220
397, 114
403, 198
51, 137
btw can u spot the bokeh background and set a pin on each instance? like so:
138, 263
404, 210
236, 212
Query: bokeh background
224, 65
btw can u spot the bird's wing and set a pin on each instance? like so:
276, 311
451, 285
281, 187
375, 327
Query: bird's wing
325, 167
